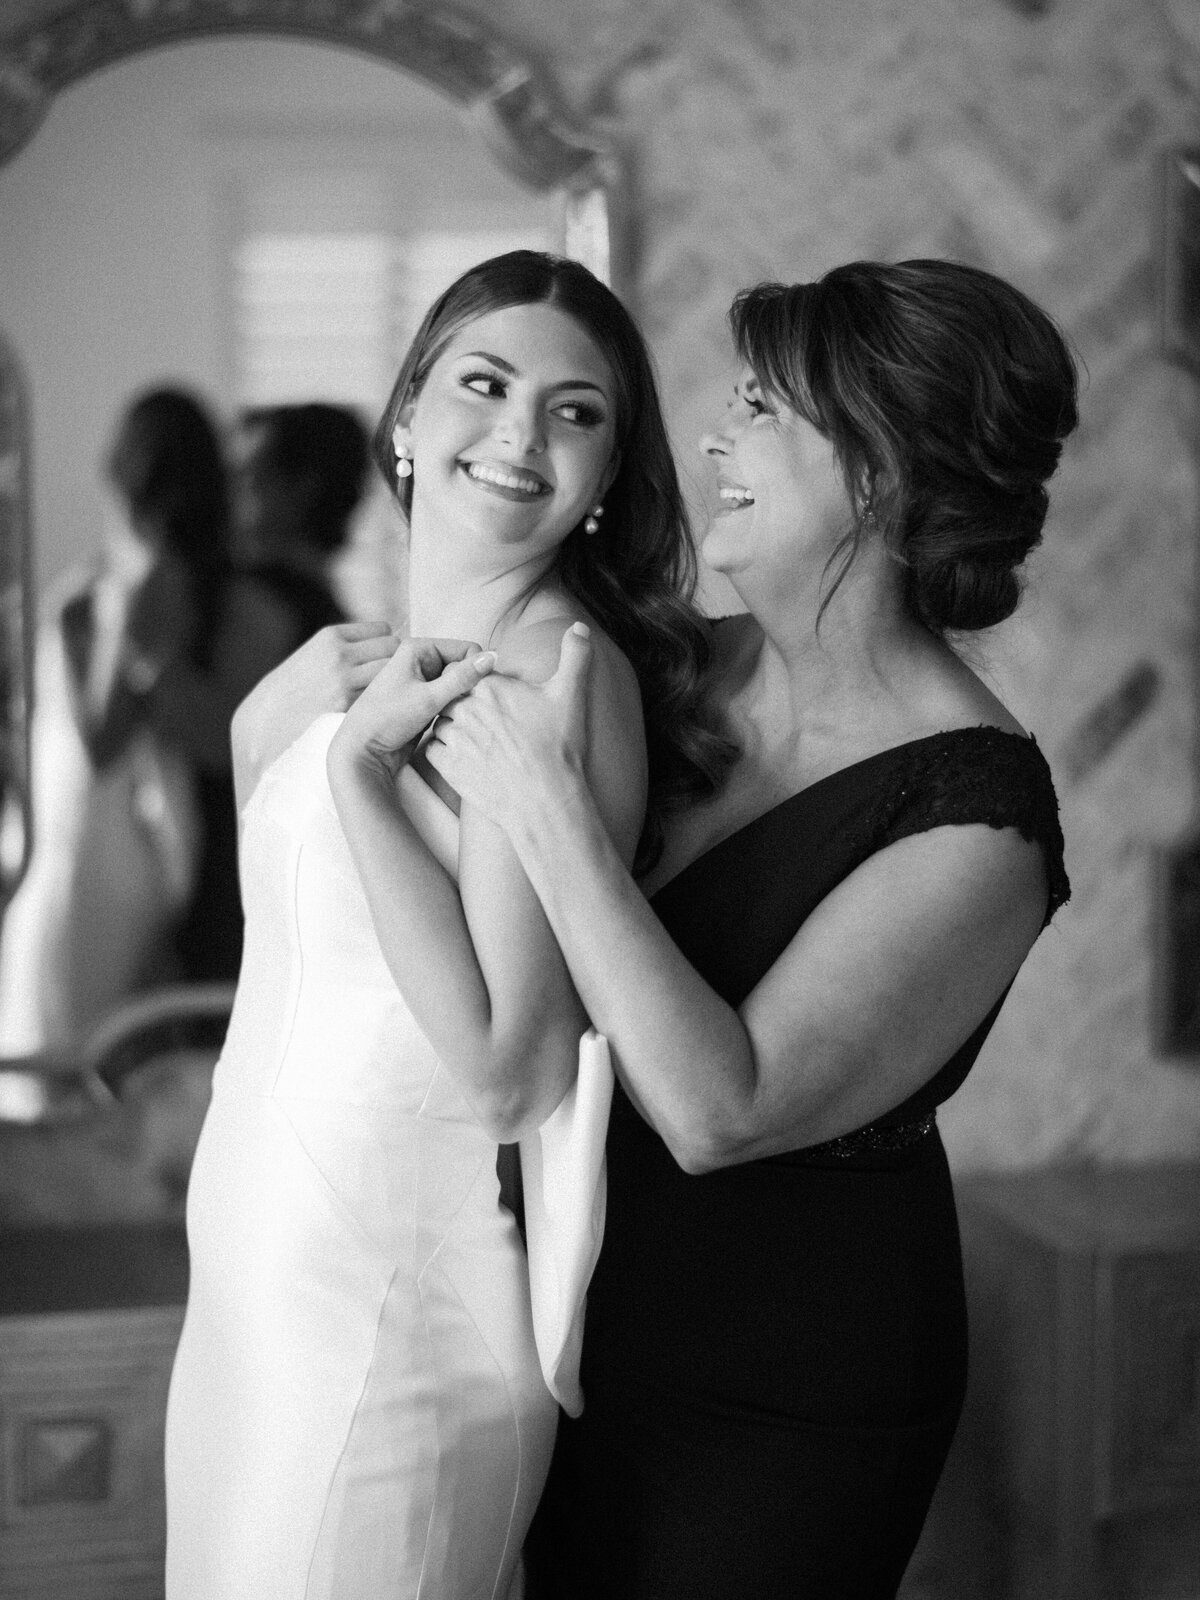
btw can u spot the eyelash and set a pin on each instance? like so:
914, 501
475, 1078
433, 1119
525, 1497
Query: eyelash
587, 416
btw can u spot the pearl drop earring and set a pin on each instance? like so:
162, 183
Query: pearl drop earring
591, 523
403, 464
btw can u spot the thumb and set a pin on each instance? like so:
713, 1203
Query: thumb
569, 682
460, 677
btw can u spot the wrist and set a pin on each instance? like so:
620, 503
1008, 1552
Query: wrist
560, 814
349, 762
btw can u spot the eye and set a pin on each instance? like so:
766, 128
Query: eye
485, 383
581, 413
752, 400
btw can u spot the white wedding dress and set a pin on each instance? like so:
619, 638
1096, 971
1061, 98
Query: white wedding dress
357, 1410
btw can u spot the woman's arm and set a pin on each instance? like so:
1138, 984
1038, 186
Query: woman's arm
476, 961
886, 978
327, 673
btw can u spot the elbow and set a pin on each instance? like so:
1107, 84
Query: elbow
515, 1100
694, 1159
503, 1116
522, 1073
698, 1158
508, 1116
701, 1149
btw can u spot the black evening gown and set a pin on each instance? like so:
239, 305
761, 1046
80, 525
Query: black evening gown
775, 1353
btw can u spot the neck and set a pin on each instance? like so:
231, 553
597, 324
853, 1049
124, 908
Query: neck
863, 651
459, 593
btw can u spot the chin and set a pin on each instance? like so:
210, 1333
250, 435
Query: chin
721, 553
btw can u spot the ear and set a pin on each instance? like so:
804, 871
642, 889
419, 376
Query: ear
402, 426
609, 475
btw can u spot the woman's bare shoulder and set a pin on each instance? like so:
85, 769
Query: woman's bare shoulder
531, 650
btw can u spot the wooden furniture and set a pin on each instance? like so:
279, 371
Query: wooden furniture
89, 1319
1076, 1471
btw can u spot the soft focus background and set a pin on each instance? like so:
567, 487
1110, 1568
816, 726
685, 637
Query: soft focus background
264, 219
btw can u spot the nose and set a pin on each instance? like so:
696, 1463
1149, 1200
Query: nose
714, 443
522, 428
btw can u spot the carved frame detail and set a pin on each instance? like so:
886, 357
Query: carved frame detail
499, 90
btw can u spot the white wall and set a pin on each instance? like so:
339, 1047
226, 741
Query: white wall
116, 218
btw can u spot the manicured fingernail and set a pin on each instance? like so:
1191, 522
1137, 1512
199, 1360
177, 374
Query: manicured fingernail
582, 629
484, 661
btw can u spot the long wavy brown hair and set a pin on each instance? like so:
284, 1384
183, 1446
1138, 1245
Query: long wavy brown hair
636, 576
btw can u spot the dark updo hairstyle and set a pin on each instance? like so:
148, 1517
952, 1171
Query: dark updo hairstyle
166, 464
321, 452
636, 575
947, 395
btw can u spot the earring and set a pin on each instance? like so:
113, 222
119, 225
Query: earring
591, 523
403, 464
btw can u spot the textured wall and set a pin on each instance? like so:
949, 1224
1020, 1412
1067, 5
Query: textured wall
778, 137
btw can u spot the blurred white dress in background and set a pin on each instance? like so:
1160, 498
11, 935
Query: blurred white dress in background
114, 852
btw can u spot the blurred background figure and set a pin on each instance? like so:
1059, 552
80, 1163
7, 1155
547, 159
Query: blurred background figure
300, 472
141, 662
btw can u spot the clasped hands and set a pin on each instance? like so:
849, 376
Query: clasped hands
490, 734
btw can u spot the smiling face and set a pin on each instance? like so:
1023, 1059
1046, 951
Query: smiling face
512, 435
783, 496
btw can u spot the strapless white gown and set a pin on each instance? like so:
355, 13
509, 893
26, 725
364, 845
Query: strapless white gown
357, 1410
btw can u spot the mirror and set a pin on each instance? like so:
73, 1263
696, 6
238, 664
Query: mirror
139, 182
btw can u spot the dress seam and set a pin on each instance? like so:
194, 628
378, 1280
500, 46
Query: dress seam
337, 1467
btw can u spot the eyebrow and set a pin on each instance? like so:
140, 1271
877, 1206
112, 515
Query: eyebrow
507, 366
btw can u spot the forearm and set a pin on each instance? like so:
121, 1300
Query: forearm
683, 1054
260, 730
507, 1043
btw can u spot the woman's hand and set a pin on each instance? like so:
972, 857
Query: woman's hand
327, 673
381, 729
509, 739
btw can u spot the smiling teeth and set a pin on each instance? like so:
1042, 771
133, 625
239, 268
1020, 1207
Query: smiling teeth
741, 497
507, 480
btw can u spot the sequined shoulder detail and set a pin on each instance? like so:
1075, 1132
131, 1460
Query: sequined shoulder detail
971, 775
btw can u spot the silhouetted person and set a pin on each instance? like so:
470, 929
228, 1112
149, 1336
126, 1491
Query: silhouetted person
300, 473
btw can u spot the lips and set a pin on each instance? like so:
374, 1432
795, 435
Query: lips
511, 483
734, 496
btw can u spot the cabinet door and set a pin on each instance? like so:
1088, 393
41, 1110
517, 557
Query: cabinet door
82, 1408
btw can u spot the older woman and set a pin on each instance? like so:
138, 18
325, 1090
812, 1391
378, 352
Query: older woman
775, 1346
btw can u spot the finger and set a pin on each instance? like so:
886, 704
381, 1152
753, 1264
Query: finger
362, 673
460, 677
448, 649
378, 648
569, 682
432, 656
353, 632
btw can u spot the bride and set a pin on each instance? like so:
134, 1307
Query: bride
357, 1408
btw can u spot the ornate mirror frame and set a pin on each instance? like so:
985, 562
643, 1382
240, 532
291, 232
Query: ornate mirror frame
16, 630
500, 92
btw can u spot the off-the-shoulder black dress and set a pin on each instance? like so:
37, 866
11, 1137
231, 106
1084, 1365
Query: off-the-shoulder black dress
775, 1353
